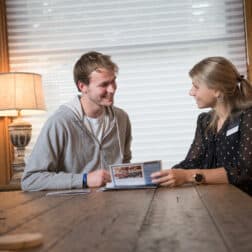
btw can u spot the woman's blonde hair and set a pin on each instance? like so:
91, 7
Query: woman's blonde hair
220, 74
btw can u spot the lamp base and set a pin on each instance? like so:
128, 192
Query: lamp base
20, 134
17, 169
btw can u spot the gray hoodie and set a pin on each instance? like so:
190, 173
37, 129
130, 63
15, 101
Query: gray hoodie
65, 149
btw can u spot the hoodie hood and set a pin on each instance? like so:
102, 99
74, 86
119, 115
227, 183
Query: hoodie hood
75, 106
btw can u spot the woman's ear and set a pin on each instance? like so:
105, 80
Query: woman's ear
218, 93
219, 96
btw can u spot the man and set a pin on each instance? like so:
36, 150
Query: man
83, 137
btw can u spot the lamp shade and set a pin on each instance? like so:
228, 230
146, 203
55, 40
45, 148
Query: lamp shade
20, 92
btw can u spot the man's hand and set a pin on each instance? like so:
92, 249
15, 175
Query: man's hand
98, 178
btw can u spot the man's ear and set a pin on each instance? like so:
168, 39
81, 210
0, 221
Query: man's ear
82, 86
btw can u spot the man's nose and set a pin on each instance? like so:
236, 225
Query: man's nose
112, 88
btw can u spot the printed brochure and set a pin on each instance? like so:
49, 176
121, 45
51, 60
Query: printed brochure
133, 175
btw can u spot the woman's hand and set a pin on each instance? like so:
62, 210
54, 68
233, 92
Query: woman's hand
171, 177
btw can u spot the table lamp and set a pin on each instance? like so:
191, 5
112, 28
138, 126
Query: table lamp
20, 94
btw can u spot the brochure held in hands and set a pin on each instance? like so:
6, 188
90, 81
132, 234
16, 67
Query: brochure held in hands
133, 175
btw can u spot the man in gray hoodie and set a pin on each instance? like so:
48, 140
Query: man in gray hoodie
83, 137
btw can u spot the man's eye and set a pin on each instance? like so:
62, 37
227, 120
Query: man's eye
104, 85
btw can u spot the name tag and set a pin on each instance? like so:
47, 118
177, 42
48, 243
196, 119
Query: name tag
232, 131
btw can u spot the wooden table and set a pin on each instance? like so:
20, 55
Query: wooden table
10, 187
191, 218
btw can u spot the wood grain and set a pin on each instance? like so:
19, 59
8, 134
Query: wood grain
178, 221
248, 31
104, 221
190, 218
231, 214
20, 241
6, 149
26, 209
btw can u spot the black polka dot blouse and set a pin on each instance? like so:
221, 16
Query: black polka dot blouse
230, 147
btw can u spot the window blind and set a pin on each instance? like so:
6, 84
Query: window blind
155, 43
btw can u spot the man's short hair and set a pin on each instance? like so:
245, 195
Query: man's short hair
90, 62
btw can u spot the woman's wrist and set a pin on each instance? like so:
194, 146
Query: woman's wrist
190, 175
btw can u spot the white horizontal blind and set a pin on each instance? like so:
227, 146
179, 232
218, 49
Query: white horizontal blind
154, 42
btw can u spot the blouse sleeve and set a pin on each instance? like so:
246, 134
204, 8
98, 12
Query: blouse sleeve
241, 173
196, 152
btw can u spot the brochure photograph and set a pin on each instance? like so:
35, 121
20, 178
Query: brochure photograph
133, 175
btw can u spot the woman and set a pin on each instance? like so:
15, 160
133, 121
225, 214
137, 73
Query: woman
222, 148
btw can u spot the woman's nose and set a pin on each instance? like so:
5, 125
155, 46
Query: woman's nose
191, 92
